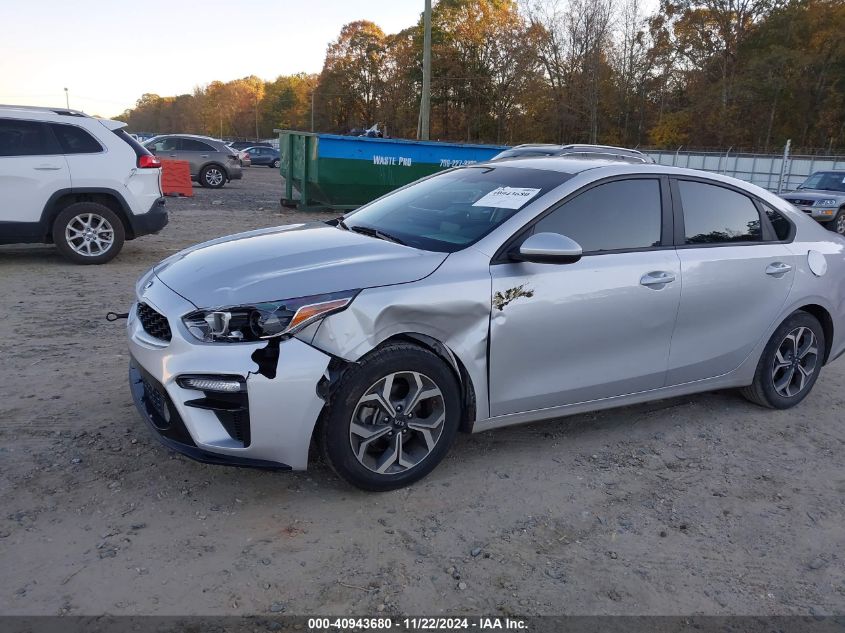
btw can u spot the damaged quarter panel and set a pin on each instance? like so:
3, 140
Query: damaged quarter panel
452, 305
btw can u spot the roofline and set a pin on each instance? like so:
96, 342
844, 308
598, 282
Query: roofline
58, 111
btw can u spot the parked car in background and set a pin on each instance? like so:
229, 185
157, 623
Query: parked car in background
605, 152
500, 293
213, 163
75, 181
822, 197
260, 155
245, 144
244, 157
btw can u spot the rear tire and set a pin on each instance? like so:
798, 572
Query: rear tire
88, 233
212, 177
790, 363
376, 449
275, 164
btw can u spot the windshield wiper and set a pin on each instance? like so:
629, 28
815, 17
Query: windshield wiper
368, 230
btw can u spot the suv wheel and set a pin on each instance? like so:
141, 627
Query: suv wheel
790, 364
88, 233
276, 163
212, 176
392, 419
838, 223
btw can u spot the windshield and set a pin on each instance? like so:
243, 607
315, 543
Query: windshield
452, 210
826, 180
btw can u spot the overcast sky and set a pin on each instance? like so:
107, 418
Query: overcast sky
109, 52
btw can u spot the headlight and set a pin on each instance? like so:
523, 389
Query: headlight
264, 320
824, 203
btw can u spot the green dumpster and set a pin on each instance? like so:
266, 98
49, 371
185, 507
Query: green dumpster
344, 172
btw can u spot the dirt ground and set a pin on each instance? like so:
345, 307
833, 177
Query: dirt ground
703, 504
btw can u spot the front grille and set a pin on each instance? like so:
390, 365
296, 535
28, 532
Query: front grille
800, 203
154, 324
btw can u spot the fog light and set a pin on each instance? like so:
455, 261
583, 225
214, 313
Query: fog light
826, 211
221, 384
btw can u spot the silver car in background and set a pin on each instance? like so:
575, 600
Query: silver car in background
822, 197
480, 297
213, 163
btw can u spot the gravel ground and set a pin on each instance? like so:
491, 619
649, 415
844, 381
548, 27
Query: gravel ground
703, 504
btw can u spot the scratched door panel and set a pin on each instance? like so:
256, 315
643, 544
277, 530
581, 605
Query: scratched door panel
561, 334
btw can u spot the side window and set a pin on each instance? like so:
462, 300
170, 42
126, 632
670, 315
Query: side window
24, 138
167, 144
780, 224
193, 145
75, 140
715, 215
618, 215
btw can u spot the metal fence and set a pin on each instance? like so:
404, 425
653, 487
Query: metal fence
775, 172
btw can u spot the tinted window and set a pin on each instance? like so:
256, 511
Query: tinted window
193, 145
779, 223
456, 208
618, 215
715, 215
23, 138
167, 144
75, 140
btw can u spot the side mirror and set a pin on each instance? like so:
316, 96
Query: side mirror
548, 248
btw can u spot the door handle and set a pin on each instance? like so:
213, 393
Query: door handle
778, 269
173, 156
657, 278
47, 167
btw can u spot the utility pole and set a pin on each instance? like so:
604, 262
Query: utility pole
425, 101
67, 100
313, 92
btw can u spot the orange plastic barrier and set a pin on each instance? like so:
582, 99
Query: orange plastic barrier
176, 178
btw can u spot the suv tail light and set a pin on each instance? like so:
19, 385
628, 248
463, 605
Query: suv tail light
147, 161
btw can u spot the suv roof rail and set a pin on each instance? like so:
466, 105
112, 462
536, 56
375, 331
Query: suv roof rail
59, 111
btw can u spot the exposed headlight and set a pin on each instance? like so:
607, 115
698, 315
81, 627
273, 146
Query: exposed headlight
824, 203
264, 320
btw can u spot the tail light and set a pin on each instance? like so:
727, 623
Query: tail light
148, 161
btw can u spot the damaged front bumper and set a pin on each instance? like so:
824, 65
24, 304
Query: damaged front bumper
269, 424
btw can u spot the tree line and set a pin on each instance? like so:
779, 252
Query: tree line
746, 74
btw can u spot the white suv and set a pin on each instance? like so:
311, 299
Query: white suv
79, 182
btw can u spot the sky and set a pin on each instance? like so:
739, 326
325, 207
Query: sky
107, 53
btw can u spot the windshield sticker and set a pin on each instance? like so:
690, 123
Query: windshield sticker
507, 198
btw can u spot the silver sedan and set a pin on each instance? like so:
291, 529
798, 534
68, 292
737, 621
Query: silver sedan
477, 298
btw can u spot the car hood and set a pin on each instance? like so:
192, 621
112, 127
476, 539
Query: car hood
813, 194
290, 261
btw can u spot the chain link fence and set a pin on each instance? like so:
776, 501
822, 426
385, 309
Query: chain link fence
775, 172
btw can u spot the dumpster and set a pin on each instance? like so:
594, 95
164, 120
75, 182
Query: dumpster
344, 172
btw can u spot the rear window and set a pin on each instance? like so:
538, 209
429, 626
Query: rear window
193, 145
452, 210
139, 149
75, 140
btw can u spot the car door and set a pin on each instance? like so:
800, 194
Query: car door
736, 278
32, 170
597, 328
257, 156
197, 153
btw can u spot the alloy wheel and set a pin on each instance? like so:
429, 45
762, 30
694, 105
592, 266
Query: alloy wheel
795, 362
397, 422
840, 223
213, 176
89, 234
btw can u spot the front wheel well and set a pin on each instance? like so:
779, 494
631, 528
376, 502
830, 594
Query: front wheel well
826, 321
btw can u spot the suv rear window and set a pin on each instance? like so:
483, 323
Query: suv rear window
140, 150
75, 140
24, 138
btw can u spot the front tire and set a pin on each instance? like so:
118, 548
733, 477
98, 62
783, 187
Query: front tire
837, 224
392, 418
88, 233
790, 363
212, 177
